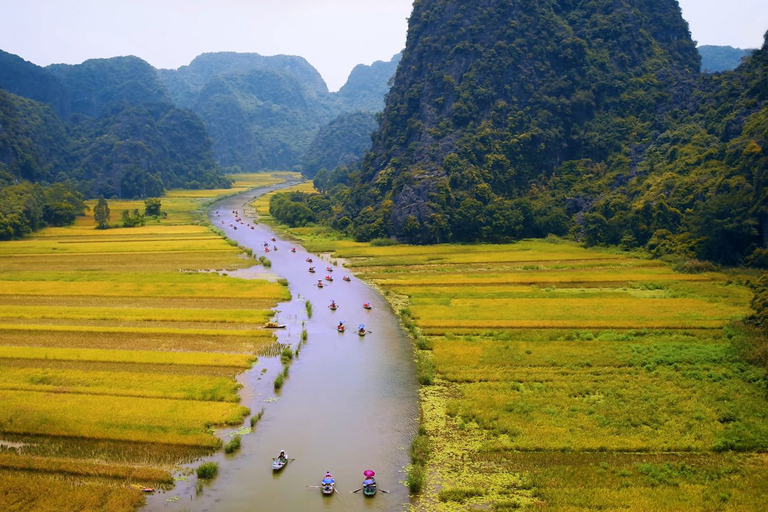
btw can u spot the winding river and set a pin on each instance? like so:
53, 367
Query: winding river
349, 403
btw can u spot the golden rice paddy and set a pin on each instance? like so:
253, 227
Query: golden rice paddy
573, 379
117, 343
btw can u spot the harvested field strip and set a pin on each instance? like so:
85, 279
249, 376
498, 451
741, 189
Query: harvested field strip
78, 467
27, 247
224, 289
105, 366
440, 326
243, 361
22, 492
145, 231
129, 384
238, 316
577, 311
197, 303
261, 333
539, 277
174, 341
125, 262
367, 267
136, 240
107, 417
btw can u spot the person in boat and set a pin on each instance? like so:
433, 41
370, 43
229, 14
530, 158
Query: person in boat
282, 458
340, 326
361, 329
333, 304
367, 305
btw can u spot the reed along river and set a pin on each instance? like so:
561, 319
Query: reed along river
349, 403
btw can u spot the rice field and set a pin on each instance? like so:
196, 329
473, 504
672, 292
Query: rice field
563, 378
118, 352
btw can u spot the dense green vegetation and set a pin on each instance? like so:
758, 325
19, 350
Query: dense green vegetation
510, 120
27, 207
715, 59
109, 130
341, 142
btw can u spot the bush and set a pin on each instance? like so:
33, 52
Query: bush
308, 306
256, 418
279, 380
695, 267
232, 445
384, 242
207, 470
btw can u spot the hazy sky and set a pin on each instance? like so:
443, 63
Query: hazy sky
333, 35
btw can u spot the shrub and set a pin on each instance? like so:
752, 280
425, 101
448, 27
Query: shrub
207, 470
232, 445
695, 267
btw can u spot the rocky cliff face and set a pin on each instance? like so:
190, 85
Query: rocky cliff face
493, 96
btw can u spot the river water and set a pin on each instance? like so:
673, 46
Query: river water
349, 403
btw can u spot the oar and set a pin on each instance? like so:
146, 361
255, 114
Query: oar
382, 490
356, 490
314, 486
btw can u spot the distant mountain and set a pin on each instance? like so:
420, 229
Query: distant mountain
186, 82
114, 130
34, 143
263, 112
343, 141
23, 78
367, 86
715, 59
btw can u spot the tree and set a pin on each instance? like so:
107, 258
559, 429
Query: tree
101, 213
152, 207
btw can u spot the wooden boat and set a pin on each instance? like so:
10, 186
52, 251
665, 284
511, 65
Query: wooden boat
340, 328
329, 269
319, 284
367, 305
333, 307
278, 464
328, 486
311, 270
346, 278
274, 325
329, 278
369, 487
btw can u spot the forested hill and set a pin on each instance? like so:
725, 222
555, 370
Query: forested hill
263, 112
106, 127
513, 119
715, 59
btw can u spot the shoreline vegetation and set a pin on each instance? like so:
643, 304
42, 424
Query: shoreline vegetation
563, 378
119, 349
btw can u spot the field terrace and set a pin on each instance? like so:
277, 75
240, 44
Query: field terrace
118, 352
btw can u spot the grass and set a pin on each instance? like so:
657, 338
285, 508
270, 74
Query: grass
563, 378
118, 352
207, 470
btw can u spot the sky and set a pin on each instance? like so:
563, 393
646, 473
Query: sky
333, 35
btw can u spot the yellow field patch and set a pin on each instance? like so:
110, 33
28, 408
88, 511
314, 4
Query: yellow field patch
109, 417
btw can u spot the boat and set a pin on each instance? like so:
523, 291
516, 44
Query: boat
278, 464
367, 305
274, 239
319, 284
293, 249
274, 325
311, 270
333, 306
361, 330
369, 487
329, 269
308, 260
329, 278
328, 484
346, 278
341, 327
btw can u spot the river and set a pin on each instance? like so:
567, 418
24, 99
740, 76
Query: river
349, 403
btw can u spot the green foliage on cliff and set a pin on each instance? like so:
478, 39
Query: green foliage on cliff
341, 142
367, 86
521, 119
